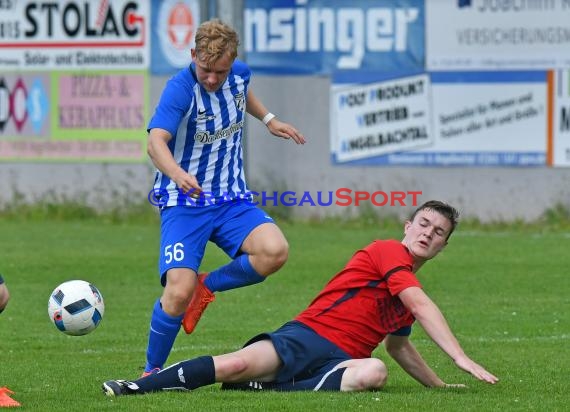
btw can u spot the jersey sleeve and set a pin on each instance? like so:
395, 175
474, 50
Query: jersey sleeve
394, 263
176, 99
401, 281
404, 331
242, 70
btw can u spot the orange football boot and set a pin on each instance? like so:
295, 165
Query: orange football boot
200, 300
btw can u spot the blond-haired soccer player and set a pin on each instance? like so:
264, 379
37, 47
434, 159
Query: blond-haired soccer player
195, 142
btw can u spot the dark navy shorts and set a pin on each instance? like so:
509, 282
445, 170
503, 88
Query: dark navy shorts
304, 353
186, 230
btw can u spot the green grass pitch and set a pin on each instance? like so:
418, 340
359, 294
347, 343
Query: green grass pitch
505, 293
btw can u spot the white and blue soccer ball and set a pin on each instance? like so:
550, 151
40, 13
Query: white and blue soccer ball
76, 307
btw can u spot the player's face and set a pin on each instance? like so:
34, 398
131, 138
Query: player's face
212, 76
426, 235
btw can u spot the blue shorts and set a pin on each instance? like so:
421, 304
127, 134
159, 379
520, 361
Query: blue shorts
304, 353
185, 231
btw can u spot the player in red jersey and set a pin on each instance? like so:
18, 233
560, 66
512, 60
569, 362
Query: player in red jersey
375, 298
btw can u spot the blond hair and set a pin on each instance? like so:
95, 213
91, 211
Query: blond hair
215, 38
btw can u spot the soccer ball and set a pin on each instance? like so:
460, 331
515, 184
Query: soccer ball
76, 307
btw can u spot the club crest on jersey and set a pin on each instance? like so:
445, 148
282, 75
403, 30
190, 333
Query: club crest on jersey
240, 101
203, 116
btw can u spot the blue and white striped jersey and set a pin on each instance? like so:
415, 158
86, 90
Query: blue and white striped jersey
206, 129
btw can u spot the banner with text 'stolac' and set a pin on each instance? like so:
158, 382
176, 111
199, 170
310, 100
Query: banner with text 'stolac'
79, 34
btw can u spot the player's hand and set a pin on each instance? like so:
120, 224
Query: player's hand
285, 130
187, 183
476, 370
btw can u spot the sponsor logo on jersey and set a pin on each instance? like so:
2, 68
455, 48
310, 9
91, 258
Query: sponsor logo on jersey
205, 137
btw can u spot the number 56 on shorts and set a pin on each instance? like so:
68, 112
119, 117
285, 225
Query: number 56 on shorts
174, 253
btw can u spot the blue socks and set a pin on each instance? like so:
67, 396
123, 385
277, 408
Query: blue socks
164, 328
239, 272
163, 331
190, 374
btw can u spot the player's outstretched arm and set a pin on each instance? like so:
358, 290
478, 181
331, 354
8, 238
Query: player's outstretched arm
435, 325
278, 128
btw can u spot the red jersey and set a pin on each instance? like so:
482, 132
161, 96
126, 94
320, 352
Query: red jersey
360, 305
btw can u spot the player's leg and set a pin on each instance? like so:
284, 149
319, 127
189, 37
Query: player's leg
167, 316
181, 252
256, 361
267, 248
309, 362
329, 381
347, 376
313, 363
257, 245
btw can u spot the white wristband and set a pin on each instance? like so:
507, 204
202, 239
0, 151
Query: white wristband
267, 118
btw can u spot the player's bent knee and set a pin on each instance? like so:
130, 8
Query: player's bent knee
277, 253
378, 376
280, 259
178, 294
372, 375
